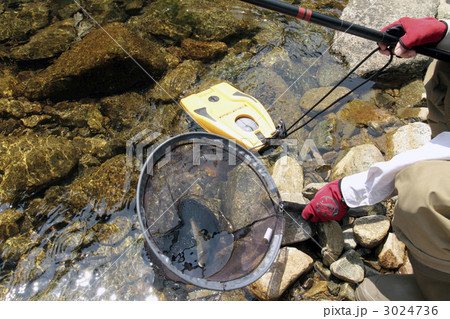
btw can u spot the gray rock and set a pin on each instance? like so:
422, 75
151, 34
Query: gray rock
367, 13
331, 240
311, 189
288, 176
346, 292
411, 95
323, 271
371, 230
406, 268
443, 10
377, 209
296, 229
349, 239
349, 267
408, 137
392, 254
289, 265
357, 159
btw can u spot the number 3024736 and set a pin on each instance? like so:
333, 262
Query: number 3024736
412, 310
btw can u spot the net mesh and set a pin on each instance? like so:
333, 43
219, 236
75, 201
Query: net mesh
208, 210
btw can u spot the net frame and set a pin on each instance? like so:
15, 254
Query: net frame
249, 159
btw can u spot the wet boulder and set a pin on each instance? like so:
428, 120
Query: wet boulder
324, 135
392, 254
17, 24
205, 20
357, 159
9, 226
331, 239
289, 265
178, 81
408, 137
370, 231
94, 66
29, 164
47, 43
202, 50
365, 114
349, 267
311, 97
108, 188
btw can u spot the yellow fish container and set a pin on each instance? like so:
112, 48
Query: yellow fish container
226, 111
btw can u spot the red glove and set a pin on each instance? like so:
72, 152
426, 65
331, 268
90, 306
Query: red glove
327, 204
420, 31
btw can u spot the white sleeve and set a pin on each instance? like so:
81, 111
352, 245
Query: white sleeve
377, 183
444, 44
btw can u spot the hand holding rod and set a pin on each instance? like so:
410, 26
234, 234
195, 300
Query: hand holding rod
344, 26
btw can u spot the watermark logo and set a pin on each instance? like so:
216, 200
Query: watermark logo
138, 148
224, 151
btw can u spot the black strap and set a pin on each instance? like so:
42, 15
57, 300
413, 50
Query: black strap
289, 132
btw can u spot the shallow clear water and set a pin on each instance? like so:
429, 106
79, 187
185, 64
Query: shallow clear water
73, 246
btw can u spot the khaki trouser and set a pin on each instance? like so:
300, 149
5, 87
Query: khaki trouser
422, 214
422, 222
437, 85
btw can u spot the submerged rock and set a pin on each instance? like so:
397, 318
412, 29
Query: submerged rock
202, 50
47, 43
205, 20
30, 163
365, 114
9, 223
371, 230
104, 187
313, 96
289, 265
177, 81
125, 111
324, 135
14, 247
112, 233
94, 65
18, 24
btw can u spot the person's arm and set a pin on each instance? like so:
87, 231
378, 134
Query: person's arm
377, 183
419, 32
372, 186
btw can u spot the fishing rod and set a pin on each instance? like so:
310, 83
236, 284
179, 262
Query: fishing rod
344, 26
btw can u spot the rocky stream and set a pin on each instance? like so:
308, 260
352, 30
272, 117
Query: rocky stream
78, 87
